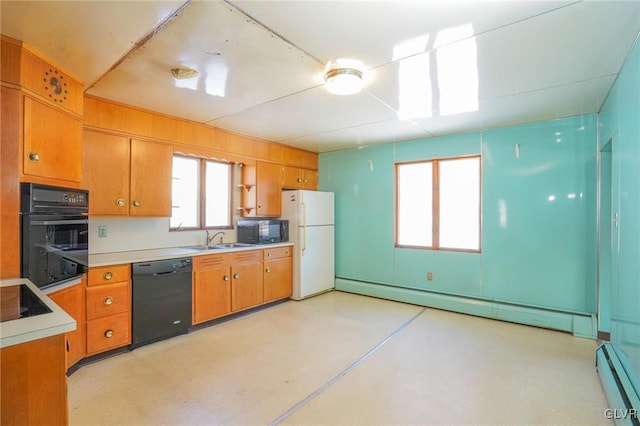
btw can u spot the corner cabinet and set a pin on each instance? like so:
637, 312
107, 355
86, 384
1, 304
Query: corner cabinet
126, 177
261, 190
72, 300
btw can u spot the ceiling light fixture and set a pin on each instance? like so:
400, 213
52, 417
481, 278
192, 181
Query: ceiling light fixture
344, 76
183, 73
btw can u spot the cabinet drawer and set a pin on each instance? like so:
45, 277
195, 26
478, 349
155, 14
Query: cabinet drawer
108, 299
108, 333
277, 253
108, 274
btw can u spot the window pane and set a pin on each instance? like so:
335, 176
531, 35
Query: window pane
218, 197
415, 204
185, 205
460, 203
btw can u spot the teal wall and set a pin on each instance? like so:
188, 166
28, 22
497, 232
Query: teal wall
620, 281
535, 252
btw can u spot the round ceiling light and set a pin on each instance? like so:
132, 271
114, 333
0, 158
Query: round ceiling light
344, 76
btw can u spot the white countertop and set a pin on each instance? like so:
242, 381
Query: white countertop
107, 259
24, 330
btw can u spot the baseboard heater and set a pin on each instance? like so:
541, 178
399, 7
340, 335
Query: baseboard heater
624, 402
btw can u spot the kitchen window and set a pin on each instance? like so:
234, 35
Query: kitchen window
438, 204
201, 194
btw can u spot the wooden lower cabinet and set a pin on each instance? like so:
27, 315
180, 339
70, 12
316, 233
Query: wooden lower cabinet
278, 273
246, 280
34, 384
72, 300
211, 287
231, 282
108, 307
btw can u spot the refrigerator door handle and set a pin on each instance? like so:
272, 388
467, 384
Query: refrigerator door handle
304, 239
304, 213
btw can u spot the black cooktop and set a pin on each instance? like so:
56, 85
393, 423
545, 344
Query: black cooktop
18, 301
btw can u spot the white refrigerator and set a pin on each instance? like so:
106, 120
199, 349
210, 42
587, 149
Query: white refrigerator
311, 229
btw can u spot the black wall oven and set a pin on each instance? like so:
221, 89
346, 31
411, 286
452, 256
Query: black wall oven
54, 233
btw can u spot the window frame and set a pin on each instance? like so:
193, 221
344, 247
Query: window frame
435, 204
202, 194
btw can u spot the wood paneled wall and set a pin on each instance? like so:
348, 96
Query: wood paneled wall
104, 115
10, 186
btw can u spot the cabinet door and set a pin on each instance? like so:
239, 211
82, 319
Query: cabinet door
291, 177
268, 189
105, 173
52, 142
246, 286
33, 389
71, 300
211, 293
278, 279
310, 179
150, 188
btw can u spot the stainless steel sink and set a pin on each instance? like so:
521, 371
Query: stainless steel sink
203, 247
233, 245
221, 246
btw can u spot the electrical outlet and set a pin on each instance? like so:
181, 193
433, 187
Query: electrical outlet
429, 276
102, 231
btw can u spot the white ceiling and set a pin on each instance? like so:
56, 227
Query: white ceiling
435, 67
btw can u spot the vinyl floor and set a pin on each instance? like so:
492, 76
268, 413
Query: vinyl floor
344, 359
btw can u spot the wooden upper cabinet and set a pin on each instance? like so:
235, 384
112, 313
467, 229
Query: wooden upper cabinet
105, 173
262, 186
151, 171
52, 143
268, 189
126, 177
297, 178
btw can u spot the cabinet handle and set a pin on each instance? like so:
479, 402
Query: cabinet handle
108, 334
34, 156
120, 202
267, 270
108, 275
136, 203
286, 252
68, 346
236, 276
305, 181
269, 254
108, 300
226, 278
299, 180
259, 206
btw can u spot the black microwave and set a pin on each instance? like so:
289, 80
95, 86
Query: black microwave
263, 231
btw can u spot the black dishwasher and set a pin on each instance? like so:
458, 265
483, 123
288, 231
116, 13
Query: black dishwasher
161, 300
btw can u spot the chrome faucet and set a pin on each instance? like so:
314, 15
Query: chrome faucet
210, 238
